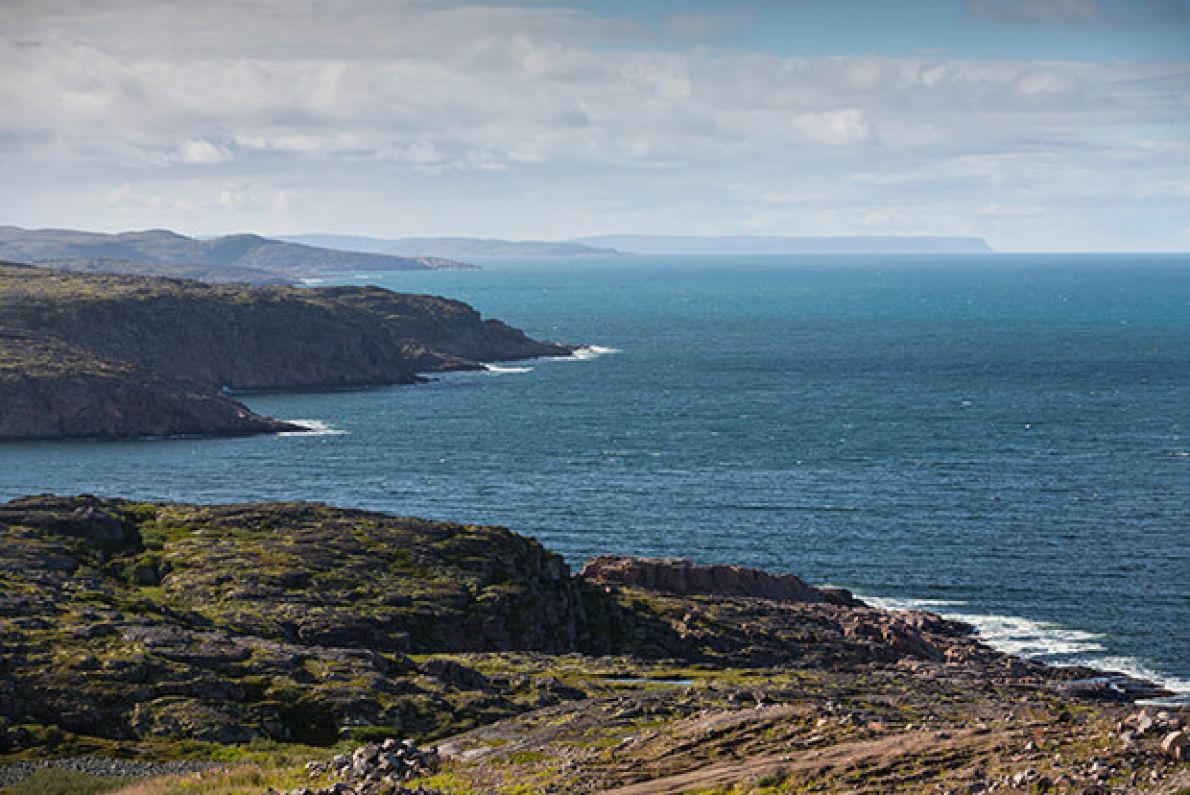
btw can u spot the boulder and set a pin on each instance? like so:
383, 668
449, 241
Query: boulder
1176, 744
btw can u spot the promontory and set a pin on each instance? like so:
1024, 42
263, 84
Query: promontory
112, 356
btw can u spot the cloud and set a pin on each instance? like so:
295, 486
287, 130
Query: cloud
836, 127
198, 151
540, 120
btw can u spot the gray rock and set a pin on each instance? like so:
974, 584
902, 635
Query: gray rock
1176, 744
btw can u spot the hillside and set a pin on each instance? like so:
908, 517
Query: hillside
466, 248
157, 631
230, 258
116, 356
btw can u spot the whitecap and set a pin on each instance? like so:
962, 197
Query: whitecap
587, 352
1029, 638
1134, 667
312, 428
496, 369
899, 603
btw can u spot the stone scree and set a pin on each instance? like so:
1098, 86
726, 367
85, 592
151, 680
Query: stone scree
374, 769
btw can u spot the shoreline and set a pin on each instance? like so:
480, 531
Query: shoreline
1064, 652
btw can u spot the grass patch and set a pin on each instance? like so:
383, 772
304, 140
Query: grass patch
53, 781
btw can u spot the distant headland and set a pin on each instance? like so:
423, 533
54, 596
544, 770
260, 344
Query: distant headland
231, 258
775, 245
116, 356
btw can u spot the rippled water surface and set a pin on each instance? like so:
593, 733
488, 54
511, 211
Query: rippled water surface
1003, 438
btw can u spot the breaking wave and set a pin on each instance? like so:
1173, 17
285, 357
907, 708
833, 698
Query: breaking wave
1047, 641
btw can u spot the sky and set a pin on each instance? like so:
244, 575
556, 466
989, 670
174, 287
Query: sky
1039, 125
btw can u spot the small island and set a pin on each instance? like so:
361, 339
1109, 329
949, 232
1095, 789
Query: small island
118, 356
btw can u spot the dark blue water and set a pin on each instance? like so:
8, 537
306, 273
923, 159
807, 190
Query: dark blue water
1002, 438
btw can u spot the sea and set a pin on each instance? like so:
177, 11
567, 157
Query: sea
1004, 439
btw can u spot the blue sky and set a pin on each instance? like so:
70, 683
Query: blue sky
1036, 124
1039, 29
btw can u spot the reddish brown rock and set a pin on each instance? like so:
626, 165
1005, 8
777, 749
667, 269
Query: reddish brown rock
682, 577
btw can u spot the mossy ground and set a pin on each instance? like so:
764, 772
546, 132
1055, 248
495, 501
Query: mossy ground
262, 637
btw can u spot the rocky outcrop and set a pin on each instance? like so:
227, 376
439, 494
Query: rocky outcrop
286, 621
119, 356
298, 622
682, 577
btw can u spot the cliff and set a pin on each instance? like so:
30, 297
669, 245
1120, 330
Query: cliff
50, 390
116, 356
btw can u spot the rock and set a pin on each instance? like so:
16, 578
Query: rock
1025, 778
1176, 745
379, 767
684, 578
1142, 721
455, 674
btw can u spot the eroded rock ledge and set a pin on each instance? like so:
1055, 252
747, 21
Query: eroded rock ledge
683, 577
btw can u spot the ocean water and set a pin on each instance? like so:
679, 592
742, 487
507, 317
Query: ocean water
1001, 438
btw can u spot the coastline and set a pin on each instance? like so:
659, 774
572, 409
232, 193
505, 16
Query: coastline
1045, 641
638, 676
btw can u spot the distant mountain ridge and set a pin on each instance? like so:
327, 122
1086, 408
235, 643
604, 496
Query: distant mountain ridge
242, 257
772, 244
655, 245
464, 247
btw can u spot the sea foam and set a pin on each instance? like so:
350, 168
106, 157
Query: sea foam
312, 428
1047, 641
496, 369
588, 352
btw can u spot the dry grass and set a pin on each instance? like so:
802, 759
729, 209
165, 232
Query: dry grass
238, 780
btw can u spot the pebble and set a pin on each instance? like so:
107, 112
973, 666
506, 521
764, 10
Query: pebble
101, 766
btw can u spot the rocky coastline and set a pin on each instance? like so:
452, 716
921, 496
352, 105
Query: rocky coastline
171, 631
105, 356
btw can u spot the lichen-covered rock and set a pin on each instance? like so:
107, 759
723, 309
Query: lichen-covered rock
286, 621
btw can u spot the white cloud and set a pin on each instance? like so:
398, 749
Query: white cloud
199, 151
563, 121
836, 127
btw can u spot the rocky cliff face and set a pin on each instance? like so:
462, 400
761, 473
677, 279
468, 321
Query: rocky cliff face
290, 621
51, 390
682, 577
115, 356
